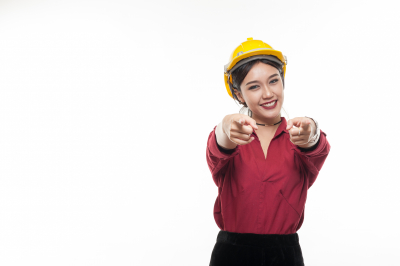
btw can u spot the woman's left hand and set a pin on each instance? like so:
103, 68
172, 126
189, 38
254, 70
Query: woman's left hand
300, 135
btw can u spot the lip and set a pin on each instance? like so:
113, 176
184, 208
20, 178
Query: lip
268, 102
271, 107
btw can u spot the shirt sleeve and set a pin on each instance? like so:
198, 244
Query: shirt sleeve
314, 158
218, 158
223, 150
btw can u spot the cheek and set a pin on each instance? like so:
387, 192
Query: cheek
246, 96
253, 98
280, 93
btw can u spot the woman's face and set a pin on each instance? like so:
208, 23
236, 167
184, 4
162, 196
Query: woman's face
262, 85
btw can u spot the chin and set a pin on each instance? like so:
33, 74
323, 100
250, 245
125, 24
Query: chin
270, 113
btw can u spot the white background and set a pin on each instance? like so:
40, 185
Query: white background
106, 107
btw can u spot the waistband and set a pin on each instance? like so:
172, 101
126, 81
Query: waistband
258, 240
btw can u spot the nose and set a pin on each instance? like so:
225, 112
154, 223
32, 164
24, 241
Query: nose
267, 93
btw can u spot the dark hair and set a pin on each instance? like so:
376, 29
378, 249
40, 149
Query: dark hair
241, 72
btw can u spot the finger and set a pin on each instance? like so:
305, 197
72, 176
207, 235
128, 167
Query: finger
240, 121
235, 127
248, 121
296, 121
311, 126
241, 136
242, 142
242, 128
305, 123
299, 141
296, 138
289, 124
296, 131
302, 123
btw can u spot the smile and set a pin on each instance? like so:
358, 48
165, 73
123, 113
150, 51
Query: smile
269, 104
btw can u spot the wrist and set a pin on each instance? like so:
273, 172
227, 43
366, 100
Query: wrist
223, 122
308, 145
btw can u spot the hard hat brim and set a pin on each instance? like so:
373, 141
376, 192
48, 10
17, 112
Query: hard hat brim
258, 51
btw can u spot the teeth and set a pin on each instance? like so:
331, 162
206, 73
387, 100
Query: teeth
269, 104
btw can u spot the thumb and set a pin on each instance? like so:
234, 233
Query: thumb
289, 124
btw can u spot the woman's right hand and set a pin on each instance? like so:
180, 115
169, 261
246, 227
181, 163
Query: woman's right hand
238, 128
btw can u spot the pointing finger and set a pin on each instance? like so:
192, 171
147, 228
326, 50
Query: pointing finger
296, 121
293, 122
247, 121
250, 121
240, 121
305, 124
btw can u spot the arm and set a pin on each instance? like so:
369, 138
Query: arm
223, 141
314, 158
217, 159
222, 138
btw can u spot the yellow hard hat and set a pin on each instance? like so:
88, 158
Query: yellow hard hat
256, 50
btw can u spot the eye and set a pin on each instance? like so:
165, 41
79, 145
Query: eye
253, 87
274, 81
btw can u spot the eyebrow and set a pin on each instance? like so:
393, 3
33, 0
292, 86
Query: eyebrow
254, 81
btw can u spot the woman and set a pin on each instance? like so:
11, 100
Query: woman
262, 164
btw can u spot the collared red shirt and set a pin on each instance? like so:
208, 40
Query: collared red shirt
264, 196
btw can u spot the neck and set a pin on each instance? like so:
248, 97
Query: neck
268, 121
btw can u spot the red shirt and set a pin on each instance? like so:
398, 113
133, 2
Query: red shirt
264, 196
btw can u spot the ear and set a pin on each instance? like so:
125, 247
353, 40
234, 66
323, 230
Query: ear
239, 95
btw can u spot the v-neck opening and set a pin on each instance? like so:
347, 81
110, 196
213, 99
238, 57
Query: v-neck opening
260, 145
262, 162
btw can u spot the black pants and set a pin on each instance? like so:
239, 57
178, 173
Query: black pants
237, 249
